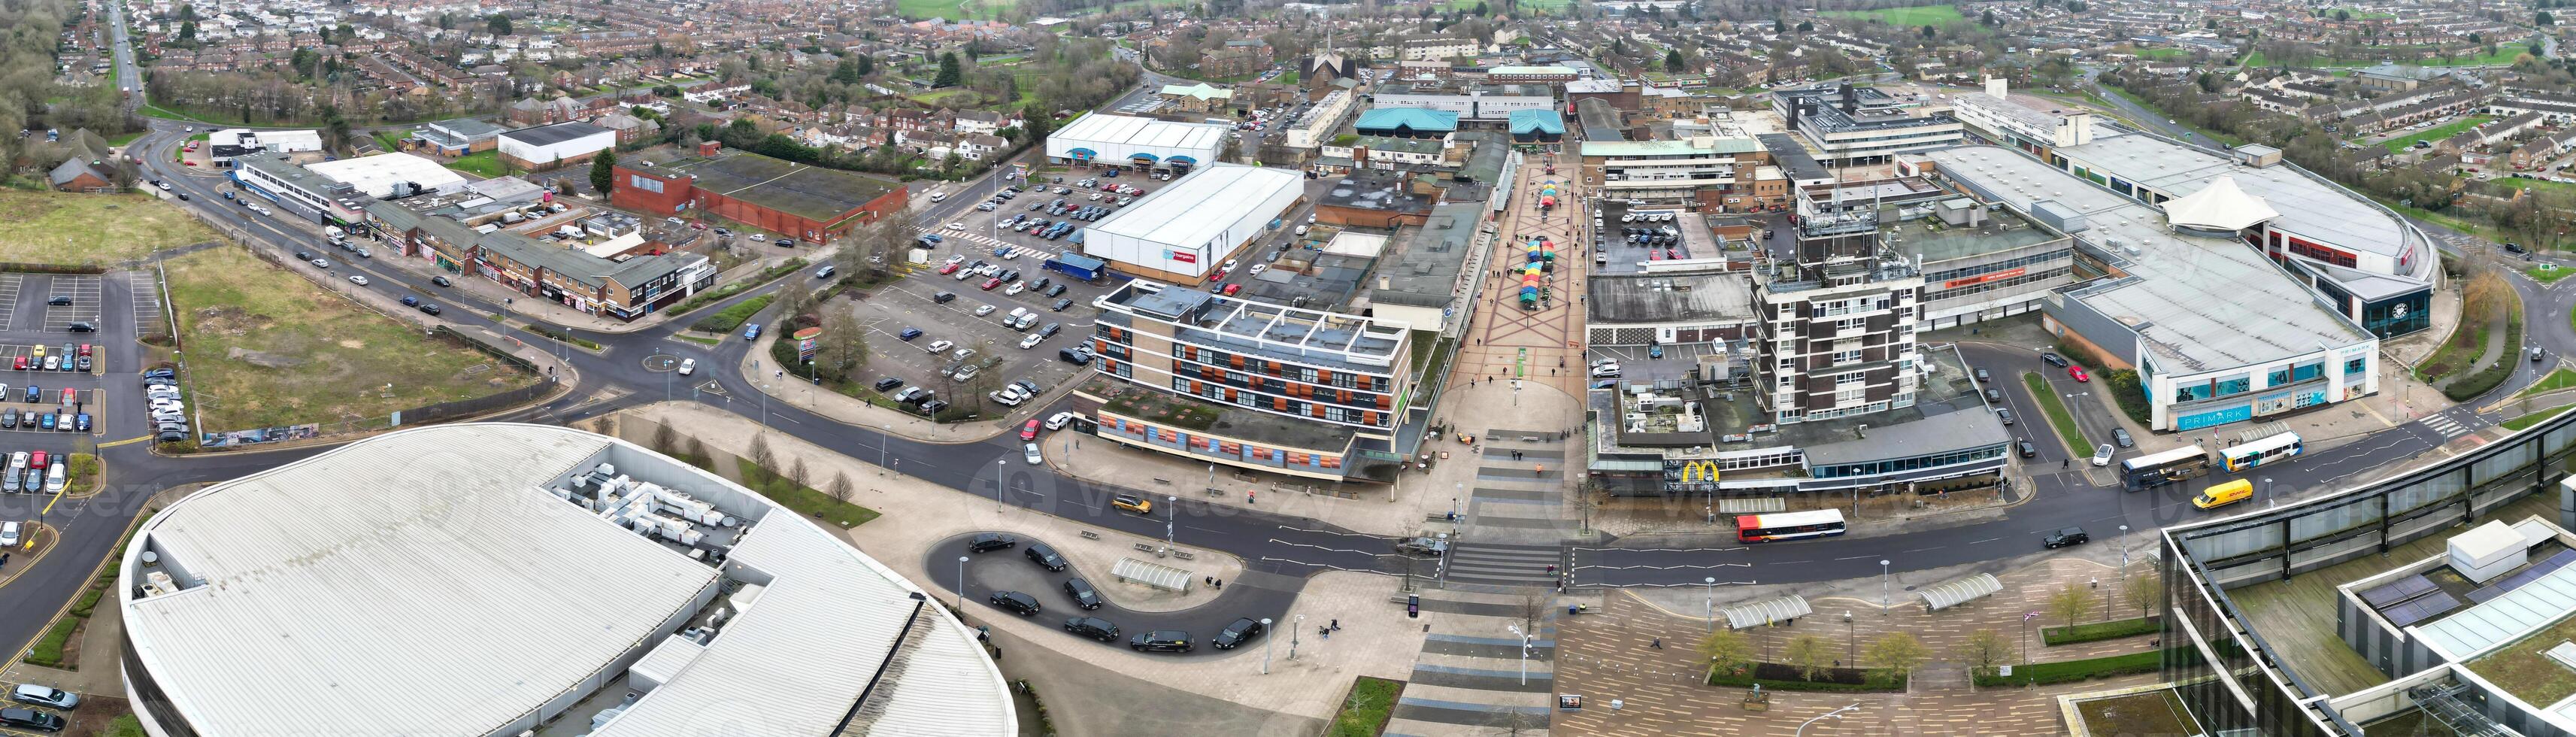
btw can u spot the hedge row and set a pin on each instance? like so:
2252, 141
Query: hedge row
735, 316
2070, 671
2469, 387
1785, 677
2095, 631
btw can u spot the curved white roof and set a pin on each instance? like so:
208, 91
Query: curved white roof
428, 582
2220, 206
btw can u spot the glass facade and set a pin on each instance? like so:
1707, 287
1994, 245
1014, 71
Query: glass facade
2230, 681
2395, 316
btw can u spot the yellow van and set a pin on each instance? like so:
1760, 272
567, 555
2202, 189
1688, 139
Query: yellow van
2227, 493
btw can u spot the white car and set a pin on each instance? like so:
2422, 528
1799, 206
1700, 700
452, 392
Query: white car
1606, 371
939, 345
986, 207
1010, 253
958, 259
964, 353
688, 366
1060, 420
982, 310
165, 186
1029, 450
357, 279
1031, 341
2102, 455
1016, 288
1228, 267
1257, 269
1007, 399
956, 226
9, 530
322, 263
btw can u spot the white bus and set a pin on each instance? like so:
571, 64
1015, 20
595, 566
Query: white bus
2157, 469
2259, 452
1755, 528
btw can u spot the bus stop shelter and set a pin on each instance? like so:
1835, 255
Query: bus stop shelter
1959, 591
1767, 611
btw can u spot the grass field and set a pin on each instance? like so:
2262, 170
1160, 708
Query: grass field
2055, 407
2358, 14
2546, 273
1917, 16
485, 164
272, 348
2435, 133
2162, 53
949, 9
2556, 380
2525, 183
57, 228
2504, 54
2525, 422
1365, 711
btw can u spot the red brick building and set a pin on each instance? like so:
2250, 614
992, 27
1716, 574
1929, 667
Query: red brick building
809, 203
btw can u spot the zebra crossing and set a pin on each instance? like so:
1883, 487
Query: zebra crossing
1502, 565
2443, 425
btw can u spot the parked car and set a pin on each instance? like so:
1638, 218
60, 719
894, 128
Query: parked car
1092, 627
1243, 630
2026, 449
2053, 359
1083, 595
30, 718
2120, 436
46, 696
986, 542
2066, 537
2005, 414
1169, 641
1015, 602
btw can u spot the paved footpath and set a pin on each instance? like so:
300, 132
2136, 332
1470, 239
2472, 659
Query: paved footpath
1609, 655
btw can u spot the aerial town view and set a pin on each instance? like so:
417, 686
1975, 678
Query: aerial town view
1133, 368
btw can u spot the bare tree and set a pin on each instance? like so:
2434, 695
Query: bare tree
841, 487
794, 298
796, 471
2070, 603
1986, 649
1533, 608
760, 451
664, 438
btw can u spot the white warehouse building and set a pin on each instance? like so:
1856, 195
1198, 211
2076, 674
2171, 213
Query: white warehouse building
1144, 143
548, 146
1180, 233
504, 579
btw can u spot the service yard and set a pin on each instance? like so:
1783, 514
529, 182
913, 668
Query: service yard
269, 348
65, 228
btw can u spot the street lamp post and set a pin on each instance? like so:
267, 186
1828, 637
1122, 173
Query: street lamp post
1851, 641
1525, 650
1836, 715
1292, 636
1712, 602
998, 504
961, 583
1173, 522
1265, 647
1882, 587
882, 442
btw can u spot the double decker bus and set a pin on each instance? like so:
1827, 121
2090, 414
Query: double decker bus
1757, 528
2157, 469
2259, 452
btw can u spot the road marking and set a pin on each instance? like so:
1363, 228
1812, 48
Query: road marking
127, 441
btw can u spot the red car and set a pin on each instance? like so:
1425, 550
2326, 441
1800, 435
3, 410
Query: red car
38, 461
1230, 289
1654, 255
947, 269
20, 364
2078, 373
1029, 431
84, 349
989, 284
70, 396
1672, 253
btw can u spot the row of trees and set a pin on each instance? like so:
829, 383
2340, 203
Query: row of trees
32, 96
1731, 651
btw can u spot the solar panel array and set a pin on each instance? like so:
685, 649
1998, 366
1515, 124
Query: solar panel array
2527, 575
2397, 593
2421, 609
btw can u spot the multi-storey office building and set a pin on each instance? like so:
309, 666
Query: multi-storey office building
1834, 330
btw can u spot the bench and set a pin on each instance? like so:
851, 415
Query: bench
1181, 555
1146, 547
1089, 535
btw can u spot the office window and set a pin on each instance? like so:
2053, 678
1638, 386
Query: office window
645, 183
1850, 324
1843, 357
2353, 366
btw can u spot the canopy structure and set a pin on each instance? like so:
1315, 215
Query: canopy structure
1959, 591
2220, 206
1767, 611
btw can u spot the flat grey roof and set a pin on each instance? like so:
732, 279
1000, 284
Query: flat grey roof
546, 135
1668, 297
1427, 259
1967, 428
1937, 242
2308, 207
2188, 298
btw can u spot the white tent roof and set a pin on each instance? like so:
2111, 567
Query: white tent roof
1767, 611
1959, 591
2219, 206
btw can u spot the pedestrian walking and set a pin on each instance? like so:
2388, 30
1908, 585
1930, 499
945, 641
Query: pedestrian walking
1657, 644
1551, 569
1337, 625
997, 652
1247, 498
1220, 584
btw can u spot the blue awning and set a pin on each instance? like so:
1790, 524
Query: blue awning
1178, 159
1083, 152
1143, 155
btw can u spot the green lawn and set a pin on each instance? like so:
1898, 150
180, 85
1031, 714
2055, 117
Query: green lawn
2064, 421
2359, 14
2504, 54
59, 228
949, 9
2546, 273
2256, 60
269, 347
389, 140
2436, 133
485, 164
1290, 77
2529, 183
2556, 380
1365, 711
2161, 53
803, 498
2525, 422
1917, 16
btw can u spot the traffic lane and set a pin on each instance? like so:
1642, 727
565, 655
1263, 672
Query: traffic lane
2017, 398
1010, 569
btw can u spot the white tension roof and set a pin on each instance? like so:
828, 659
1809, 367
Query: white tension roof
1201, 205
2219, 206
424, 582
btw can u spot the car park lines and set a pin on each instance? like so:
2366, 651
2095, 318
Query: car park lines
83, 289
145, 293
10, 285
